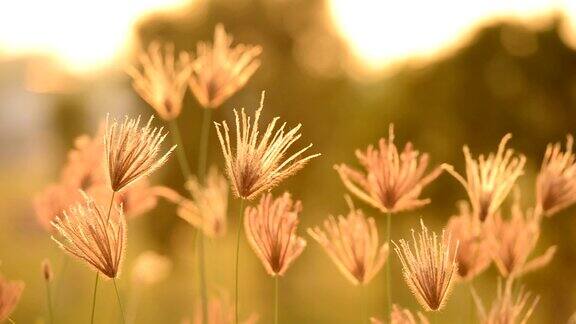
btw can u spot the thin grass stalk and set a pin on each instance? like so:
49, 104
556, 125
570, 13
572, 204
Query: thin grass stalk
11, 320
187, 174
238, 232
97, 274
388, 267
202, 158
49, 302
119, 301
182, 159
276, 279
204, 140
94, 298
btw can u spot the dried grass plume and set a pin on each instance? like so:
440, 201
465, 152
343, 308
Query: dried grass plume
513, 240
474, 254
489, 180
505, 308
429, 269
209, 205
556, 182
393, 180
271, 231
163, 80
352, 243
93, 236
220, 70
259, 161
132, 151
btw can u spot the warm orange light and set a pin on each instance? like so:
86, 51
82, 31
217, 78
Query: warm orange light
82, 35
383, 32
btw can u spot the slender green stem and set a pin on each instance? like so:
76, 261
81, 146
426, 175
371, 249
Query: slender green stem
238, 231
204, 140
94, 298
276, 279
182, 159
49, 302
202, 157
388, 267
187, 173
119, 301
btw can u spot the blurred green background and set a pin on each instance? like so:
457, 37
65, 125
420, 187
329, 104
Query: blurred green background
507, 77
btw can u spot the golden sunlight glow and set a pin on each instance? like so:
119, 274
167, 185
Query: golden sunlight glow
82, 35
382, 32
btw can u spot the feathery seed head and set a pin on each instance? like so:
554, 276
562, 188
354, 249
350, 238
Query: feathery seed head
93, 236
271, 231
10, 293
131, 151
556, 182
489, 180
353, 245
430, 268
393, 180
505, 308
209, 205
512, 241
473, 255
220, 70
163, 81
259, 163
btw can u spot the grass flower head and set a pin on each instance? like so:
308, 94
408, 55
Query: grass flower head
259, 162
352, 243
429, 266
209, 205
92, 236
163, 81
489, 180
220, 70
474, 254
271, 231
556, 182
131, 151
393, 180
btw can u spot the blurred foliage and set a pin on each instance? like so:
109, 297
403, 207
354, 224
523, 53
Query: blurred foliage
506, 78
